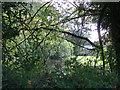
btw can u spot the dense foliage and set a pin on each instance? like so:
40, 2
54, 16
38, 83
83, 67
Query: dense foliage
44, 45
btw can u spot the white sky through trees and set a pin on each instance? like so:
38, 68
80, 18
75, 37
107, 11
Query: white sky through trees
93, 33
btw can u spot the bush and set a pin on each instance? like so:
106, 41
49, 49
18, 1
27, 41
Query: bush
73, 75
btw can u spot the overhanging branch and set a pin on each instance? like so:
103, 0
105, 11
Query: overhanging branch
80, 37
78, 44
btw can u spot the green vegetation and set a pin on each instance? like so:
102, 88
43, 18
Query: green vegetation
44, 45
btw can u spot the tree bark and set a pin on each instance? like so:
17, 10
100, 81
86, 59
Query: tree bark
115, 32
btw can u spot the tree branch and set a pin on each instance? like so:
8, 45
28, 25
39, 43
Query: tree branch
66, 19
78, 44
80, 37
37, 12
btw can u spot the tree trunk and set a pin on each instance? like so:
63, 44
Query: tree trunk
115, 32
